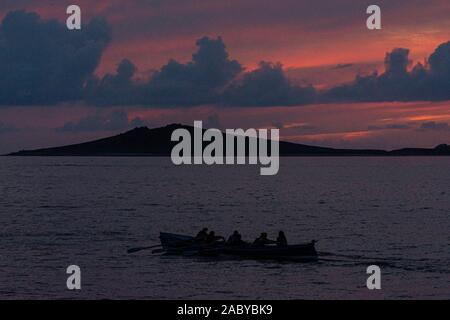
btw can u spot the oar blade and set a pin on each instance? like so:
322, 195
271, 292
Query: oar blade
132, 250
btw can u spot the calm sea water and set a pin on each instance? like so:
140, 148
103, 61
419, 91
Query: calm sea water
392, 212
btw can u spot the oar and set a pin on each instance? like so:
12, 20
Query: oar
132, 250
186, 253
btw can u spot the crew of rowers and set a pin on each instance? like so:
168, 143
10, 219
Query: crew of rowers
236, 239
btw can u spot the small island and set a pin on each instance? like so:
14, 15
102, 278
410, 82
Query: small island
143, 141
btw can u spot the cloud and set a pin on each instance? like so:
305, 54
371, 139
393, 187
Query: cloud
267, 86
42, 62
439, 73
211, 77
393, 126
114, 89
199, 81
324, 77
434, 126
111, 122
298, 127
343, 65
423, 82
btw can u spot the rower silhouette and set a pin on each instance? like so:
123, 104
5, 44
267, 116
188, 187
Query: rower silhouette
262, 240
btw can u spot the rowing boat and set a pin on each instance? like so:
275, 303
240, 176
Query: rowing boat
185, 245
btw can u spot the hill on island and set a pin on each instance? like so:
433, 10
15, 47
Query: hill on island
157, 142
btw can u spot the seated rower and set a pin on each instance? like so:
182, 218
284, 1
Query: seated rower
281, 239
211, 238
202, 235
262, 240
235, 239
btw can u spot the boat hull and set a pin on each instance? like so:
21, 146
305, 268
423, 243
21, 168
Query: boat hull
185, 245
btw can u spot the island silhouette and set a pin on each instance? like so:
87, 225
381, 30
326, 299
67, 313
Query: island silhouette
143, 141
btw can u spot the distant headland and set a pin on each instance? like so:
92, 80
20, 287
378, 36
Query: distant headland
143, 141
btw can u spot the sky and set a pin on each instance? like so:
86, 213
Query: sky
310, 68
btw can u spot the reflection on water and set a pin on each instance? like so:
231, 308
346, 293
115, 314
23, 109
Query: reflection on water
393, 212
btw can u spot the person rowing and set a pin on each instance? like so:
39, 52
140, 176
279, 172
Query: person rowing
202, 235
281, 240
262, 240
235, 239
211, 238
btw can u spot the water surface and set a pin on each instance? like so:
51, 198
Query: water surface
393, 212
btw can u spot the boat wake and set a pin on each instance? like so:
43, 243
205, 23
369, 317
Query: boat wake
420, 265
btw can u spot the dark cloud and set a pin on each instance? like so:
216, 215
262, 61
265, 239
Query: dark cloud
267, 86
296, 126
211, 77
439, 61
115, 89
430, 82
328, 76
111, 122
393, 126
439, 73
434, 126
343, 66
42, 62
199, 81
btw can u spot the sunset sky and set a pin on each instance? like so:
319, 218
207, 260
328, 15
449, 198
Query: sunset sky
59, 87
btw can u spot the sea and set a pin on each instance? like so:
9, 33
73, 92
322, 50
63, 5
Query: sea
391, 212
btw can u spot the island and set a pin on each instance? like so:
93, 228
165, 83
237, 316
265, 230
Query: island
144, 141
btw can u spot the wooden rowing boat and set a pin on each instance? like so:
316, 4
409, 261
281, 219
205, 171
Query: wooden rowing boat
185, 245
